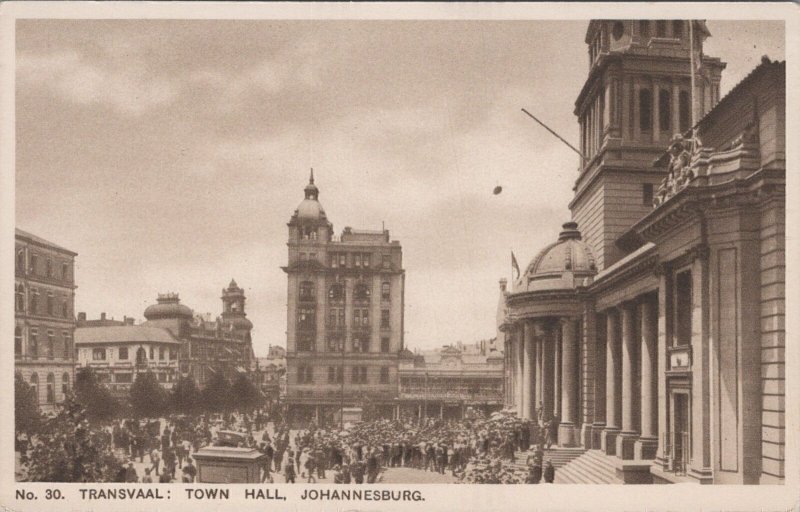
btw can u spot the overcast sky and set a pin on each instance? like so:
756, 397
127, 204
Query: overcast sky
170, 155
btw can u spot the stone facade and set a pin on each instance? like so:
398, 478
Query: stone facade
665, 320
44, 310
345, 316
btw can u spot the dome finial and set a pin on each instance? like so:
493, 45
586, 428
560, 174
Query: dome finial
311, 190
311, 179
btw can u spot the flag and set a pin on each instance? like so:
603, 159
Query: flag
514, 266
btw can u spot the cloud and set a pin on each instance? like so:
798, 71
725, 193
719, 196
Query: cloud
125, 87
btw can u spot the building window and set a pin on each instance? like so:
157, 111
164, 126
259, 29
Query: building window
342, 259
35, 385
141, 356
386, 291
334, 343
336, 317
683, 308
307, 291
617, 30
645, 110
161, 353
173, 354
664, 110
50, 344
65, 308
336, 292
661, 28
644, 28
34, 259
384, 319
51, 388
307, 318
33, 343
385, 375
359, 375
386, 261
98, 354
305, 343
365, 259
65, 383
18, 341
67, 343
361, 292
19, 298
34, 298
684, 111
305, 375
123, 353
65, 271
385, 344
50, 304
21, 261
360, 344
334, 375
360, 317
647, 194
677, 29
357, 260
49, 267
152, 353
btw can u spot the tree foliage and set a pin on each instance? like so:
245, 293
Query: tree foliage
244, 393
69, 448
147, 398
27, 418
185, 396
216, 395
94, 397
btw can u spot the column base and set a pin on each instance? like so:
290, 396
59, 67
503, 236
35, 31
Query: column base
634, 472
586, 435
597, 436
566, 435
702, 475
645, 448
625, 445
608, 441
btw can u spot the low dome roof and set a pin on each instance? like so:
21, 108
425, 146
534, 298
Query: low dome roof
240, 323
168, 306
310, 209
559, 264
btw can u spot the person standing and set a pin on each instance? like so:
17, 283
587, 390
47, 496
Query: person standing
288, 471
155, 460
549, 472
189, 471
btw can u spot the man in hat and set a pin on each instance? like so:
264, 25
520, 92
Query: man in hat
130, 473
549, 472
288, 471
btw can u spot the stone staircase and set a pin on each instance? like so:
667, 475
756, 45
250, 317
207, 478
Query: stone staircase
560, 457
591, 467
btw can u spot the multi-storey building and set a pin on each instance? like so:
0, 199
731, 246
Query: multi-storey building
655, 332
44, 300
267, 373
117, 353
448, 382
345, 316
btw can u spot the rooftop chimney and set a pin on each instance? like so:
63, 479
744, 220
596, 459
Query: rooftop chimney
102, 316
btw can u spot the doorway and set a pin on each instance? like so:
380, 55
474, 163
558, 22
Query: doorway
681, 440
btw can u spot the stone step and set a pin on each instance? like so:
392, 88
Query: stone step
592, 467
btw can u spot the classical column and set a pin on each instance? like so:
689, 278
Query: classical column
629, 434
569, 383
647, 444
547, 372
599, 381
538, 396
527, 375
519, 344
557, 342
608, 440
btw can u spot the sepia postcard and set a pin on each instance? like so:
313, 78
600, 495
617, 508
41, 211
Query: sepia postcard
378, 256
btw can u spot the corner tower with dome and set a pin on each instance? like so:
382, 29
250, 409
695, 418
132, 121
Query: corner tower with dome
345, 316
651, 334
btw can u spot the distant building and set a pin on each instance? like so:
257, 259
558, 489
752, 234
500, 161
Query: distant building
44, 325
117, 353
448, 382
345, 316
267, 373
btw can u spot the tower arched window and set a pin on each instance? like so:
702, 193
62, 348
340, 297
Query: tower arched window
18, 341
35, 385
645, 110
65, 383
307, 291
33, 343
141, 356
34, 301
51, 344
684, 111
361, 292
50, 303
336, 292
664, 110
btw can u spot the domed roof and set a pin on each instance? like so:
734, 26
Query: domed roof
310, 207
240, 323
168, 306
559, 265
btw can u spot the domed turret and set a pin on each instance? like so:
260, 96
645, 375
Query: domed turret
233, 308
310, 207
168, 306
563, 264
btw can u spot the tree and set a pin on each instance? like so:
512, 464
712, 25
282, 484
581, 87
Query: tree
185, 396
217, 394
27, 418
244, 394
71, 449
147, 398
92, 395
